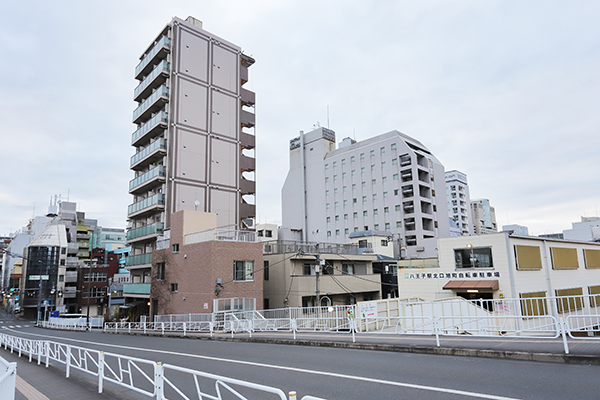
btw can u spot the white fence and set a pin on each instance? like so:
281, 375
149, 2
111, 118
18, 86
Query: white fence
76, 324
8, 379
150, 378
577, 317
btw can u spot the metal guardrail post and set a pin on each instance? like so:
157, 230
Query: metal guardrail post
563, 330
211, 327
436, 329
184, 329
292, 396
68, 365
100, 371
47, 353
159, 389
162, 325
353, 325
294, 327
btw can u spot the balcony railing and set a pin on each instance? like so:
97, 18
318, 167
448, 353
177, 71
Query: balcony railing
152, 201
230, 235
152, 229
154, 147
163, 43
159, 171
161, 92
136, 288
162, 67
139, 259
159, 118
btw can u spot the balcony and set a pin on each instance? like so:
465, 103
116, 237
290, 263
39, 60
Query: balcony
150, 204
160, 50
138, 259
247, 119
136, 288
159, 121
70, 276
155, 150
247, 140
247, 210
248, 98
152, 104
69, 292
220, 234
247, 163
244, 75
148, 230
158, 75
247, 187
157, 173
83, 254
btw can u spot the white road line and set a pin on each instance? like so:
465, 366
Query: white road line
306, 371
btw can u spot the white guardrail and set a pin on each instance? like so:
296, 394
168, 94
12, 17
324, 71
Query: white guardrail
8, 379
149, 378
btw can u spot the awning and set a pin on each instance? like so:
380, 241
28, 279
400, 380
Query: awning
491, 284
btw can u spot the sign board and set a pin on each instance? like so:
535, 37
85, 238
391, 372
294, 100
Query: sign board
206, 306
37, 277
368, 309
54, 314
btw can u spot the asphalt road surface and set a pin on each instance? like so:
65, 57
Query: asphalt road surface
333, 373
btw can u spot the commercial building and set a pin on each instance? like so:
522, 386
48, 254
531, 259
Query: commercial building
587, 230
501, 265
483, 216
390, 183
194, 139
515, 229
458, 201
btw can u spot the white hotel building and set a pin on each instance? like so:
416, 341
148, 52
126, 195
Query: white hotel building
390, 183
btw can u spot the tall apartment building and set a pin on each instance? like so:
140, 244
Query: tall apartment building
389, 183
484, 217
194, 139
458, 200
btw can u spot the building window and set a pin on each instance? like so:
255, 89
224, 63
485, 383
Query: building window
343, 161
346, 231
375, 211
569, 299
372, 167
384, 179
384, 242
337, 232
594, 291
364, 184
393, 146
362, 156
346, 216
528, 257
268, 233
326, 167
355, 215
563, 258
395, 177
352, 159
326, 179
385, 195
174, 287
95, 277
307, 269
328, 219
398, 224
62, 261
396, 191
394, 161
356, 230
592, 258
348, 269
386, 210
364, 199
160, 271
374, 196
345, 203
382, 150
334, 164
387, 226
365, 213
337, 217
175, 248
373, 181
376, 227
480, 257
372, 153
266, 270
243, 270
328, 233
533, 303
354, 200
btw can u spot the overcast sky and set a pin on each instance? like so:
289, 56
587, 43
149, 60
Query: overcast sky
507, 92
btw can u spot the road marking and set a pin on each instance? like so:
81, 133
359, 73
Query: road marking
293, 369
29, 391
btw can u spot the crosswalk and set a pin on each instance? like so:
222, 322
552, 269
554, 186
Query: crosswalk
11, 325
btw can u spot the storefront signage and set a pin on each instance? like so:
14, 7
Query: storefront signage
453, 275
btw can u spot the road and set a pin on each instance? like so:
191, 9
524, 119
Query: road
333, 373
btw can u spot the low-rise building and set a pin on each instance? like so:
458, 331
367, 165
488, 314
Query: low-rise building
200, 263
501, 265
300, 274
